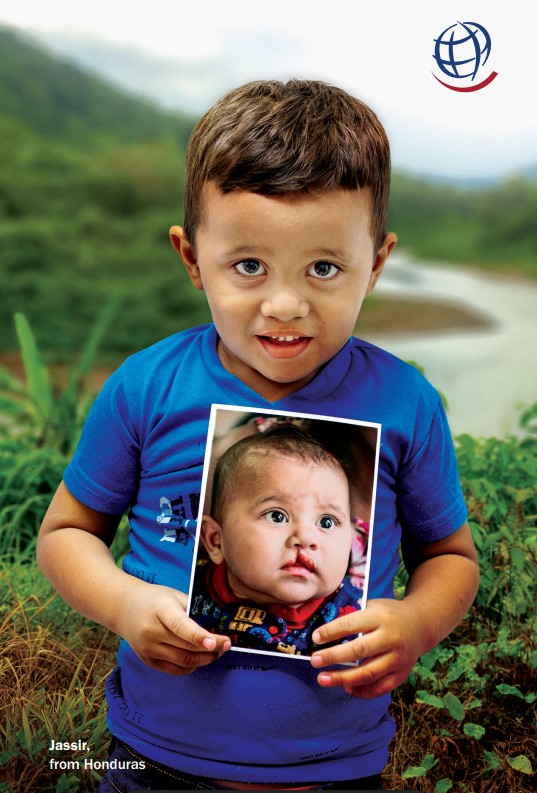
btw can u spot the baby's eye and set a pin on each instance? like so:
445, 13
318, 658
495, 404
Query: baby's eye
250, 267
275, 516
324, 270
327, 522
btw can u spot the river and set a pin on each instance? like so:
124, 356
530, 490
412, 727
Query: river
486, 373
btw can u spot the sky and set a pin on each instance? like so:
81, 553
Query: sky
186, 55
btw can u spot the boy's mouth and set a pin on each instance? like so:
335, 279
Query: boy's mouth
284, 345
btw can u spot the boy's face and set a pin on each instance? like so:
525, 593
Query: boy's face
285, 533
285, 277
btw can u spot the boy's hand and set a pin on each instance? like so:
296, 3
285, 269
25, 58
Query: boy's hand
390, 641
155, 624
443, 581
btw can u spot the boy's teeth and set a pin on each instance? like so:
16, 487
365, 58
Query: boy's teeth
285, 338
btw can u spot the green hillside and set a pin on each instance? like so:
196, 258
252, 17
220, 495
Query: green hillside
494, 227
90, 181
59, 100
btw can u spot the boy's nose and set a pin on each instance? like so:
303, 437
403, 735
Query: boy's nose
285, 305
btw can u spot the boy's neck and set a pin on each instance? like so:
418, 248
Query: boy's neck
270, 390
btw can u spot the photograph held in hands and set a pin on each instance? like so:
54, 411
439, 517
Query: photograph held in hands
284, 536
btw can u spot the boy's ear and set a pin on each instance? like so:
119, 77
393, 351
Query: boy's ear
187, 253
390, 241
211, 535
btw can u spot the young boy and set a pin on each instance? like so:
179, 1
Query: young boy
279, 536
285, 230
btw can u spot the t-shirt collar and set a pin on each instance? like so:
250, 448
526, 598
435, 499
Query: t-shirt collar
325, 382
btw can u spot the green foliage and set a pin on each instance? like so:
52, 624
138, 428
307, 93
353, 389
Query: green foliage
40, 425
500, 482
471, 699
427, 762
474, 730
52, 417
494, 227
52, 661
37, 380
521, 763
91, 186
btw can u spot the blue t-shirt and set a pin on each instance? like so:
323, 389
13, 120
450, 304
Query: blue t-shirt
250, 717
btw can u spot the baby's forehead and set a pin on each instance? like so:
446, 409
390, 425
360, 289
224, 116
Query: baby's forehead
259, 461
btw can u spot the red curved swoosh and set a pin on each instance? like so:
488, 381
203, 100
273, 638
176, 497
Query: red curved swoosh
489, 79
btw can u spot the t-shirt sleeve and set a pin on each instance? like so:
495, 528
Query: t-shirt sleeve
104, 471
430, 501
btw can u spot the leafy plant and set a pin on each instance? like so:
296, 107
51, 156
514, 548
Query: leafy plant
469, 703
40, 424
54, 414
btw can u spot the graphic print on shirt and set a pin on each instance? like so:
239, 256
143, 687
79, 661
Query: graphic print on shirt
176, 526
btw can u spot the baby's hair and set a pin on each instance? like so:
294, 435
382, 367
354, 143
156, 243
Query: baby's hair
274, 138
284, 440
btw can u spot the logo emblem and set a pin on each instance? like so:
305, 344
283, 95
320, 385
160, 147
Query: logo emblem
461, 52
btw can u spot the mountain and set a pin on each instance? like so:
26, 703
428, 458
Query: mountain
57, 99
474, 183
530, 172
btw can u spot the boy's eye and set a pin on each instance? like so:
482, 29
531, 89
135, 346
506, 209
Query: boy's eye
327, 522
324, 270
250, 267
275, 516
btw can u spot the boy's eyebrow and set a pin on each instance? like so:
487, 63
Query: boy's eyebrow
239, 249
331, 253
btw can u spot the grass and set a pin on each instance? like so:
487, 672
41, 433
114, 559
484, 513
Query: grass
52, 669
477, 731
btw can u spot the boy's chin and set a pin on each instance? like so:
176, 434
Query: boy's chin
274, 378
277, 381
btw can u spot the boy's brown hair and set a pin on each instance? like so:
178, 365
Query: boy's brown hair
277, 138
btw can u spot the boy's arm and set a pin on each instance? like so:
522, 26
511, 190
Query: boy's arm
443, 582
72, 552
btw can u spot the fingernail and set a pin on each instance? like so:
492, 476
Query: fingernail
324, 680
209, 643
316, 660
225, 647
316, 636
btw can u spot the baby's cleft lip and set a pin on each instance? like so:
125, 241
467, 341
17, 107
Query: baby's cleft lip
301, 562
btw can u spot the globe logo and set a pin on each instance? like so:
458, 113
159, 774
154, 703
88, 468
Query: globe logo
461, 51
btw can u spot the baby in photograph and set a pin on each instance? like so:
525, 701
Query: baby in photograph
279, 539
